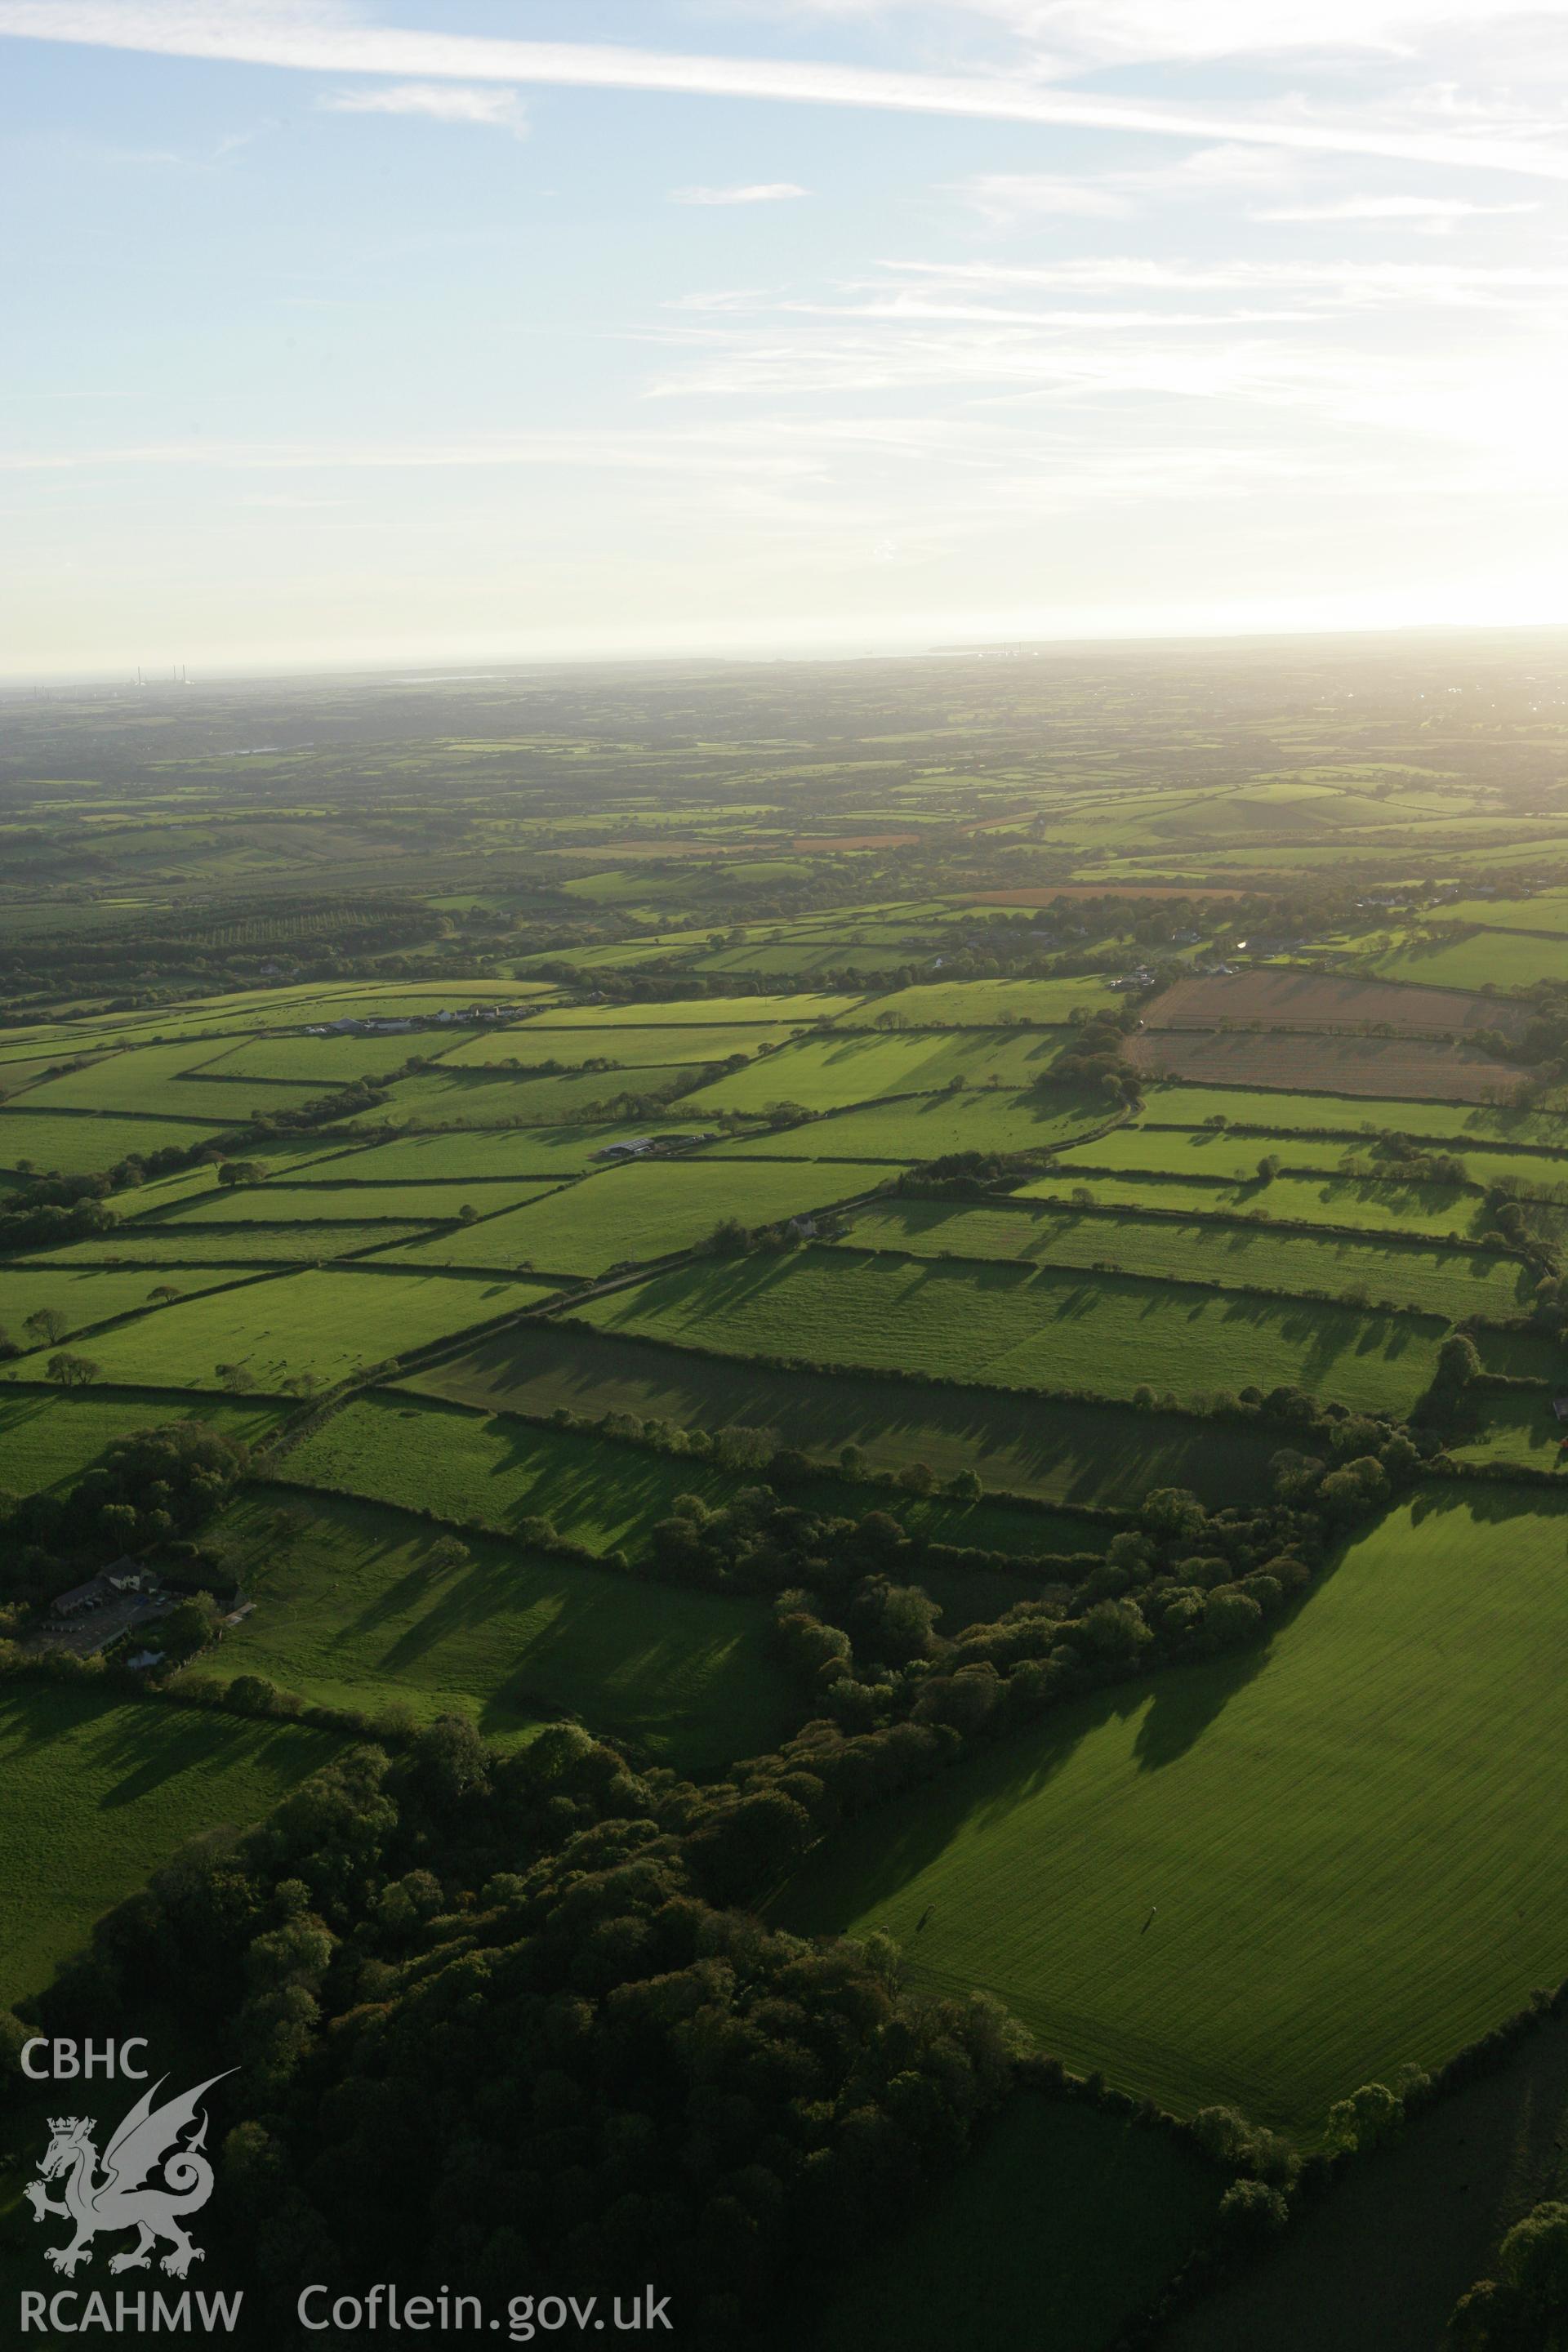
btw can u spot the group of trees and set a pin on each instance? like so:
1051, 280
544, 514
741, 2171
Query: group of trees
147, 1488
499, 2022
1096, 1059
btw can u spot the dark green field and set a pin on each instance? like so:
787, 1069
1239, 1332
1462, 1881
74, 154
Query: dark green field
351, 1610
1076, 1453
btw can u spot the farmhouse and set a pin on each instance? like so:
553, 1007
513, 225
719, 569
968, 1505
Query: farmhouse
82, 1597
634, 1149
1560, 1407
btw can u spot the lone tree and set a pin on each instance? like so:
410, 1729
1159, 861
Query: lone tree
162, 1292
73, 1371
236, 1379
1457, 1363
46, 1325
242, 1171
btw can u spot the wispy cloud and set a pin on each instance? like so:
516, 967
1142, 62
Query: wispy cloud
444, 102
755, 192
1430, 212
1006, 198
327, 40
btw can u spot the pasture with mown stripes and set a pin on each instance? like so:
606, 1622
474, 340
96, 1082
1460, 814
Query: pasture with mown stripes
1350, 1848
1103, 1456
1016, 1326
1231, 1253
647, 1210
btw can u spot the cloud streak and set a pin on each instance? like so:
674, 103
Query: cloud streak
331, 42
760, 191
443, 101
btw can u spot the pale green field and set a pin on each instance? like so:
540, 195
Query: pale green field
323, 1063
548, 1152
930, 1127
330, 1323
630, 1214
1350, 1851
166, 1082
1208, 1151
631, 1045
826, 1074
747, 1011
69, 1144
1506, 959
977, 1004
84, 1295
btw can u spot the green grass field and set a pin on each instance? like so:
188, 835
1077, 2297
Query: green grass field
176, 1243
1436, 1212
828, 1073
979, 1004
642, 1211
84, 1295
745, 1011
1019, 2247
1451, 1283
494, 1471
929, 1127
74, 1144
100, 1792
322, 1064
492, 1097
632, 1045
1451, 1125
1208, 1151
329, 1323
1509, 959
1061, 1454
352, 1612
1520, 1429
284, 1201
1355, 1841
47, 1437
545, 1152
164, 1082
1007, 1326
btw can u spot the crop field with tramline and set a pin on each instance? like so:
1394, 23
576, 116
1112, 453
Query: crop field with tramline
1372, 1810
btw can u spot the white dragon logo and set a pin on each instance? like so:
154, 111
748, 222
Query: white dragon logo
145, 2141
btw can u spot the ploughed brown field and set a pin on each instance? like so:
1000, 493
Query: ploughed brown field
1413, 1069
1291, 998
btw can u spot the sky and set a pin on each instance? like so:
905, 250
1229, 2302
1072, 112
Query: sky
352, 332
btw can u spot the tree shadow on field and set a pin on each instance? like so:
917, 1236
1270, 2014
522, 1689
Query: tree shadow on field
151, 1745
1187, 1699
